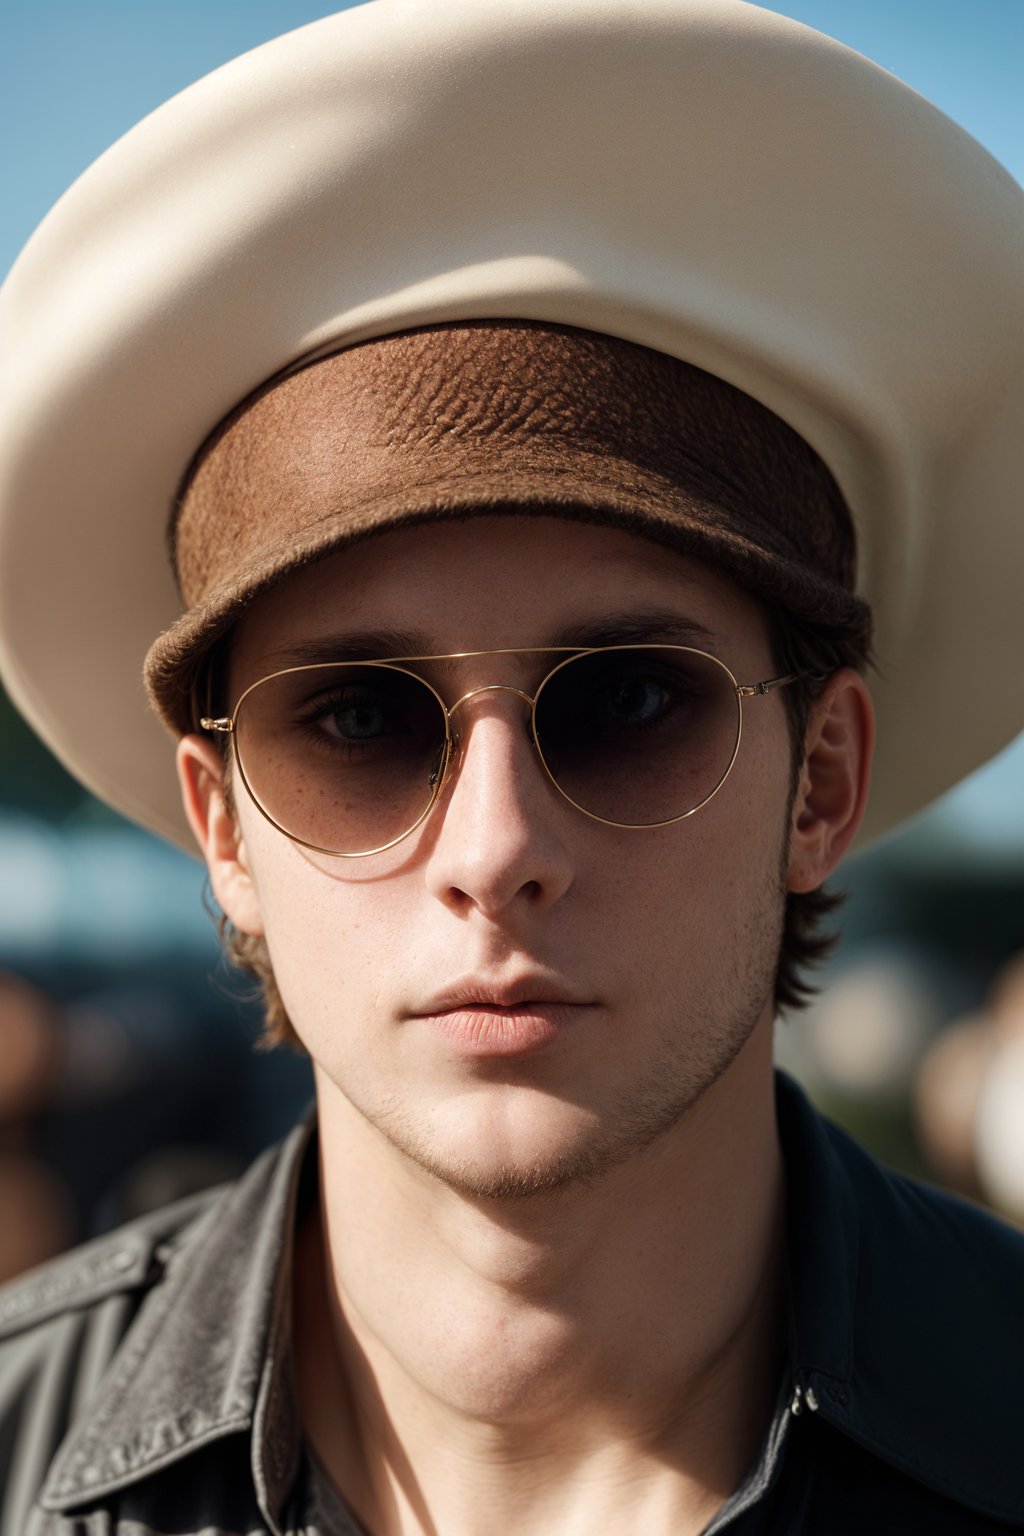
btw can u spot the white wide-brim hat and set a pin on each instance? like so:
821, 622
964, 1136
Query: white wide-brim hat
703, 177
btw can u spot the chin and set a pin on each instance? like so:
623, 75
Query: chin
511, 1180
529, 1145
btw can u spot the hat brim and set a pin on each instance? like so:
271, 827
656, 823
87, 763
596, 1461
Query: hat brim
708, 179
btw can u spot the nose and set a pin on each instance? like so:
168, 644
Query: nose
500, 826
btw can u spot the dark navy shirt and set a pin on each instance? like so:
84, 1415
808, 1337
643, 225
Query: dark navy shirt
146, 1383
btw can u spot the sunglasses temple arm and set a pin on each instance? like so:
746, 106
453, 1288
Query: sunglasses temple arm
752, 690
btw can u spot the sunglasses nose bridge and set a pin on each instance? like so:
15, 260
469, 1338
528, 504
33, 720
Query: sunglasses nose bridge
475, 693
489, 688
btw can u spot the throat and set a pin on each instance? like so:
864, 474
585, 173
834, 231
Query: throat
492, 1399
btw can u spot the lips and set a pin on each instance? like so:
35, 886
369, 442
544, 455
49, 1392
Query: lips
484, 1018
473, 993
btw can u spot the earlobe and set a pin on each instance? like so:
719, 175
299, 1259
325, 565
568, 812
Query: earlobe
833, 786
201, 777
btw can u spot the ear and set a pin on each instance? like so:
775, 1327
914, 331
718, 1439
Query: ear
201, 776
833, 785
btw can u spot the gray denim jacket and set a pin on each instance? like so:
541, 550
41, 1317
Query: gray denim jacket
146, 1388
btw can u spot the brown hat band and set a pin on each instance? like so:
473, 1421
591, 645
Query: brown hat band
498, 416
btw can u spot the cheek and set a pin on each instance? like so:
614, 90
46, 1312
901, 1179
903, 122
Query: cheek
332, 934
712, 887
749, 905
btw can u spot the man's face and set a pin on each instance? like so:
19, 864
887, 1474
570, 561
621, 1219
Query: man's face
664, 941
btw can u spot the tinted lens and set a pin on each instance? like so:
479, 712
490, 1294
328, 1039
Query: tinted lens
342, 757
638, 735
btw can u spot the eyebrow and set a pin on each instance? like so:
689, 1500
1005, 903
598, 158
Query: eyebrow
648, 626
638, 628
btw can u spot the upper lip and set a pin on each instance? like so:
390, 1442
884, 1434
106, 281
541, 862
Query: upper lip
477, 992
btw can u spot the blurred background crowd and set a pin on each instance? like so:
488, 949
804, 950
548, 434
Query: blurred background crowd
128, 1075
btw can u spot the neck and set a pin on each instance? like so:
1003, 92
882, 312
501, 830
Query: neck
558, 1353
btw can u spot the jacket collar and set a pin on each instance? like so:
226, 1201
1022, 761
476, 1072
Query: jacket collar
888, 1340
209, 1353
906, 1316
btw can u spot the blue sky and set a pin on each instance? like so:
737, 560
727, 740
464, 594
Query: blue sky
76, 74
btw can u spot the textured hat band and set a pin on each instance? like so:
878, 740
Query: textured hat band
504, 416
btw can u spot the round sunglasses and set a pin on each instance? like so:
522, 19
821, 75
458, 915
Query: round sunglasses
348, 758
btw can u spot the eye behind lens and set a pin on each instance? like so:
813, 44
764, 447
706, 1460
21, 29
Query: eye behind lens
344, 758
638, 736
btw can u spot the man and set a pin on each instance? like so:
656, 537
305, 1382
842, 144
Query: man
541, 399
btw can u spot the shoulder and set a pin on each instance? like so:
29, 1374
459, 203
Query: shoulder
893, 1229
130, 1259
943, 1245
60, 1328
908, 1310
136, 1355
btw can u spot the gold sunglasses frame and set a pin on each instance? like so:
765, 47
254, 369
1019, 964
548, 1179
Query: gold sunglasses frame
227, 725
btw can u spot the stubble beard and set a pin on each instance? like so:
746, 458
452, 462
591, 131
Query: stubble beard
692, 1054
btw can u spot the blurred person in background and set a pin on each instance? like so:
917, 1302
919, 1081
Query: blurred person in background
969, 1098
530, 511
35, 1219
